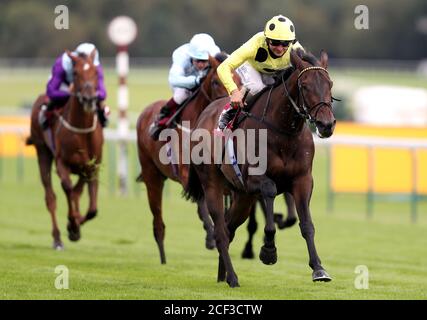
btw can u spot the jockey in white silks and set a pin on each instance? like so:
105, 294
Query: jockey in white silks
189, 66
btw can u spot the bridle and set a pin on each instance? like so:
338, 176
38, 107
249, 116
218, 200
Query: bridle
89, 105
302, 109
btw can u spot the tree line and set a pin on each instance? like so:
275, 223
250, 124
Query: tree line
394, 31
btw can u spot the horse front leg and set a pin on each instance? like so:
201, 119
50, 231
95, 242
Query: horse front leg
302, 190
203, 212
93, 195
248, 252
76, 193
73, 225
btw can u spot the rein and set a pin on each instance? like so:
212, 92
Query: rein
302, 111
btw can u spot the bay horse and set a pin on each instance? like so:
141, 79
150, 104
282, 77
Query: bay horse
305, 95
74, 142
154, 172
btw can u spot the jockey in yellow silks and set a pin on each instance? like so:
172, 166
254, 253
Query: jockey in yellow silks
256, 62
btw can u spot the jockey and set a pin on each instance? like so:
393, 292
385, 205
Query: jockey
189, 66
58, 86
256, 62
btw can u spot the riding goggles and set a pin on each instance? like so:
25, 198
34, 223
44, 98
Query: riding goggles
276, 43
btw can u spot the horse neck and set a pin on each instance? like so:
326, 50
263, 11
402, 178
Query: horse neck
283, 115
195, 107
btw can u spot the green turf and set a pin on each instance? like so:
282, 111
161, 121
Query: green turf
117, 257
19, 87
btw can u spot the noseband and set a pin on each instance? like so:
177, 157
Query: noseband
302, 110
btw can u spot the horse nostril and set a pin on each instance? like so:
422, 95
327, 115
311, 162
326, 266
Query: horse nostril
320, 125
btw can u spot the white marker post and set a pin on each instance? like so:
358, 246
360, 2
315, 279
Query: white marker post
122, 31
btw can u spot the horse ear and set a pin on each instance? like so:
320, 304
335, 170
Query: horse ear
92, 56
324, 59
296, 60
71, 56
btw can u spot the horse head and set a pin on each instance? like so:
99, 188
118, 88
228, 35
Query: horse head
314, 91
85, 80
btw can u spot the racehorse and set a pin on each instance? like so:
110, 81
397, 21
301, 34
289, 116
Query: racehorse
74, 142
154, 172
304, 95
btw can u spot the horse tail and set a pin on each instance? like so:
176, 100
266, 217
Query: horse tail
29, 141
193, 190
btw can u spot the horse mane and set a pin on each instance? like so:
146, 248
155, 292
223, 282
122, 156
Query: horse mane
308, 57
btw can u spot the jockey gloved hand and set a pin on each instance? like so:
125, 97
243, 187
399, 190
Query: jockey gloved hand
198, 79
236, 98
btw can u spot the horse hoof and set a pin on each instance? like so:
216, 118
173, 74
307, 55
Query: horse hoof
289, 222
58, 246
210, 244
74, 236
278, 218
233, 282
321, 275
73, 233
91, 214
221, 277
268, 256
248, 253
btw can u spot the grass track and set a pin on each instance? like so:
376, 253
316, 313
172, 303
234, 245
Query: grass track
117, 257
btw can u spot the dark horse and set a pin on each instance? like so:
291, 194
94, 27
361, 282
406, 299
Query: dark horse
75, 143
154, 172
306, 94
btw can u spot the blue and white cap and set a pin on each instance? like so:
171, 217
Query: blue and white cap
201, 46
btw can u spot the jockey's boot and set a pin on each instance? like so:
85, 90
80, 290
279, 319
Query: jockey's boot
226, 116
103, 113
166, 112
45, 114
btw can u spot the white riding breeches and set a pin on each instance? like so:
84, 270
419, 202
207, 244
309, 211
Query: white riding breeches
253, 80
180, 94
